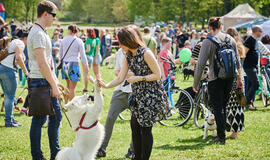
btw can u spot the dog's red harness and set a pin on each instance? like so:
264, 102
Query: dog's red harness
82, 127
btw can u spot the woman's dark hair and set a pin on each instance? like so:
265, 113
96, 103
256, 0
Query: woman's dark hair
21, 34
137, 30
91, 33
73, 28
96, 32
128, 37
265, 39
215, 23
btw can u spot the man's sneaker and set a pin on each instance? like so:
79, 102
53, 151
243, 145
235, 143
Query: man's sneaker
15, 122
11, 125
129, 154
218, 140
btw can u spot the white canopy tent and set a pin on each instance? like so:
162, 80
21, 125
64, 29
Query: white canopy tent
266, 27
241, 14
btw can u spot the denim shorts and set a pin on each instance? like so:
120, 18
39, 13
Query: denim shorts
90, 59
71, 71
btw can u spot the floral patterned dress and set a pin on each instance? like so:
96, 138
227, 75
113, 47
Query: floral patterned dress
150, 97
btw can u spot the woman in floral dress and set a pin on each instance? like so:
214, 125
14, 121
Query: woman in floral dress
150, 99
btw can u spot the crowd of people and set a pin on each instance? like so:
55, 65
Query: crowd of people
139, 69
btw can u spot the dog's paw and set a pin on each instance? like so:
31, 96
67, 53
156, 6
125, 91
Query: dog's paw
97, 87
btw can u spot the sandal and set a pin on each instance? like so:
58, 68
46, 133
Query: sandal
101, 153
85, 90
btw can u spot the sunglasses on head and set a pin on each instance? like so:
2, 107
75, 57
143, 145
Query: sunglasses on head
53, 14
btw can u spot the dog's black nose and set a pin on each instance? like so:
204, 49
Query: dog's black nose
90, 97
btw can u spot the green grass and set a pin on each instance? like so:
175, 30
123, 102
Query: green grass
170, 143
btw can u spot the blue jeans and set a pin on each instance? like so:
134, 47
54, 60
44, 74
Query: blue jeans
38, 121
106, 52
9, 86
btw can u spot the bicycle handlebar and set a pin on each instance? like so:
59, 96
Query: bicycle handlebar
172, 64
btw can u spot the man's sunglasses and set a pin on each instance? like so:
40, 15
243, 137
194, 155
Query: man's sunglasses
53, 14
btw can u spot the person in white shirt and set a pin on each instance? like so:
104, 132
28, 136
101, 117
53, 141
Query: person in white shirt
71, 49
153, 30
8, 70
119, 103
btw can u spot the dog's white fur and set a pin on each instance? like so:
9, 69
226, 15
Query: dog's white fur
209, 119
87, 141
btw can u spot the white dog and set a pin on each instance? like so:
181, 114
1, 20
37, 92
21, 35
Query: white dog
209, 124
84, 120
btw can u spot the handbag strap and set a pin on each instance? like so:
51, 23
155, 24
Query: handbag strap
68, 49
149, 41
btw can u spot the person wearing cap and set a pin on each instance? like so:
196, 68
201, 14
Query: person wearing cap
8, 69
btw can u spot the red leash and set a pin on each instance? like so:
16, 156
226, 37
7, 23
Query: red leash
82, 127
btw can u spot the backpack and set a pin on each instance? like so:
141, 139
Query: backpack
225, 59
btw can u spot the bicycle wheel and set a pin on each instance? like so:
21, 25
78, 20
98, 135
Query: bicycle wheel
125, 115
264, 90
182, 110
199, 113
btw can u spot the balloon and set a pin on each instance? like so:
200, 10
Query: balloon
185, 55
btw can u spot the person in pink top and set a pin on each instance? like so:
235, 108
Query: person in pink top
165, 53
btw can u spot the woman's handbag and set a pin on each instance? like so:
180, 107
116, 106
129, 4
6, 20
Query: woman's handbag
40, 103
240, 97
60, 64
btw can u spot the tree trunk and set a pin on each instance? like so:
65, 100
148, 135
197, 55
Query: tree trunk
227, 6
27, 5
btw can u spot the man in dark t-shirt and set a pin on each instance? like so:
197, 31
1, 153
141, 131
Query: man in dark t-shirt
181, 39
250, 65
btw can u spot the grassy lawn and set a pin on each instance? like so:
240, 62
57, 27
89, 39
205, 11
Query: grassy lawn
170, 143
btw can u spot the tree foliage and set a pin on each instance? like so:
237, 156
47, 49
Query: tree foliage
181, 11
21, 10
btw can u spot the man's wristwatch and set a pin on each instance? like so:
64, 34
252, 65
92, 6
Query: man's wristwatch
143, 78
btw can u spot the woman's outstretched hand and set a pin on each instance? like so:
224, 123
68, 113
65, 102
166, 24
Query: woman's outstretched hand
102, 84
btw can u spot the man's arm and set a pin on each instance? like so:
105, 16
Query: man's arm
203, 57
46, 71
18, 57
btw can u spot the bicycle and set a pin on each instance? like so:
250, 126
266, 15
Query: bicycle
265, 81
201, 102
180, 101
